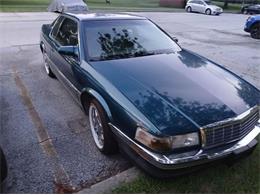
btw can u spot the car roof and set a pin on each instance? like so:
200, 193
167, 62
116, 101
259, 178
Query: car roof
82, 16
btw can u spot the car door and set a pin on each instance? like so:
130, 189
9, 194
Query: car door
194, 5
67, 66
201, 6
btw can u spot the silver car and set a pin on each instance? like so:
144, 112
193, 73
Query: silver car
67, 6
202, 6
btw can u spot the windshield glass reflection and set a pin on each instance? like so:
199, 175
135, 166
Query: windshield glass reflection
118, 39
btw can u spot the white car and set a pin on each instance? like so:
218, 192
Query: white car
202, 6
67, 6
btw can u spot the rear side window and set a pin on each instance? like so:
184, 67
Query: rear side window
66, 33
196, 2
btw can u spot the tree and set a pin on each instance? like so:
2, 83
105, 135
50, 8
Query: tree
226, 4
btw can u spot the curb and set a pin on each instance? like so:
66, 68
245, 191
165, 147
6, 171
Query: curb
113, 182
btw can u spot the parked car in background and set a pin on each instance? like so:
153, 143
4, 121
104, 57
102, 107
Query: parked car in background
169, 109
67, 6
251, 9
202, 6
253, 26
3, 169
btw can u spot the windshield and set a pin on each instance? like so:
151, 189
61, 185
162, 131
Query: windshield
208, 2
118, 39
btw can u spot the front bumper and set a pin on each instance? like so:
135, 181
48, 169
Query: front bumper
189, 159
216, 12
246, 28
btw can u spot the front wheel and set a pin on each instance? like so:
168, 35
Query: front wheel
100, 130
255, 31
208, 12
189, 9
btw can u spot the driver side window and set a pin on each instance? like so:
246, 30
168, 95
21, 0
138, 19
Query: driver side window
67, 35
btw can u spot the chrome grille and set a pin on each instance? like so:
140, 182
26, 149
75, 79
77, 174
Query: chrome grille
230, 130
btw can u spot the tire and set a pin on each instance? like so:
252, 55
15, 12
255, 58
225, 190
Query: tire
255, 31
3, 171
208, 12
101, 132
189, 9
46, 65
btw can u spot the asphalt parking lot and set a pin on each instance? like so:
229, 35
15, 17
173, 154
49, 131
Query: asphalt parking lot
45, 134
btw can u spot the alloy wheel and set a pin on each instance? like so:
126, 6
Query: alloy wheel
96, 126
46, 65
208, 12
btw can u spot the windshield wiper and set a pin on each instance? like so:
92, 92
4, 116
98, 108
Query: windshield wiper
154, 52
132, 55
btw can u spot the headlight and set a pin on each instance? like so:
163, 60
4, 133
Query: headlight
166, 143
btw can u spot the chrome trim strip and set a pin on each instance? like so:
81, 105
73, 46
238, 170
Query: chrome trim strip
171, 162
118, 131
234, 119
203, 137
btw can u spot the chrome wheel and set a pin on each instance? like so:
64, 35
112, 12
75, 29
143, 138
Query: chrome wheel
96, 126
46, 65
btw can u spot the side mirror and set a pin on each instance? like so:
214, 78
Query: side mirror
175, 39
68, 50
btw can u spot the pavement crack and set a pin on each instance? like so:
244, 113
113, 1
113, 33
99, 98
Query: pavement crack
44, 141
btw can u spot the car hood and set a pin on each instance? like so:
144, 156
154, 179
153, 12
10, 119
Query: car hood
179, 92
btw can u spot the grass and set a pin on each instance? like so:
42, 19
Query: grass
231, 6
119, 5
242, 177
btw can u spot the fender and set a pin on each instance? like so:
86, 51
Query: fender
92, 93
